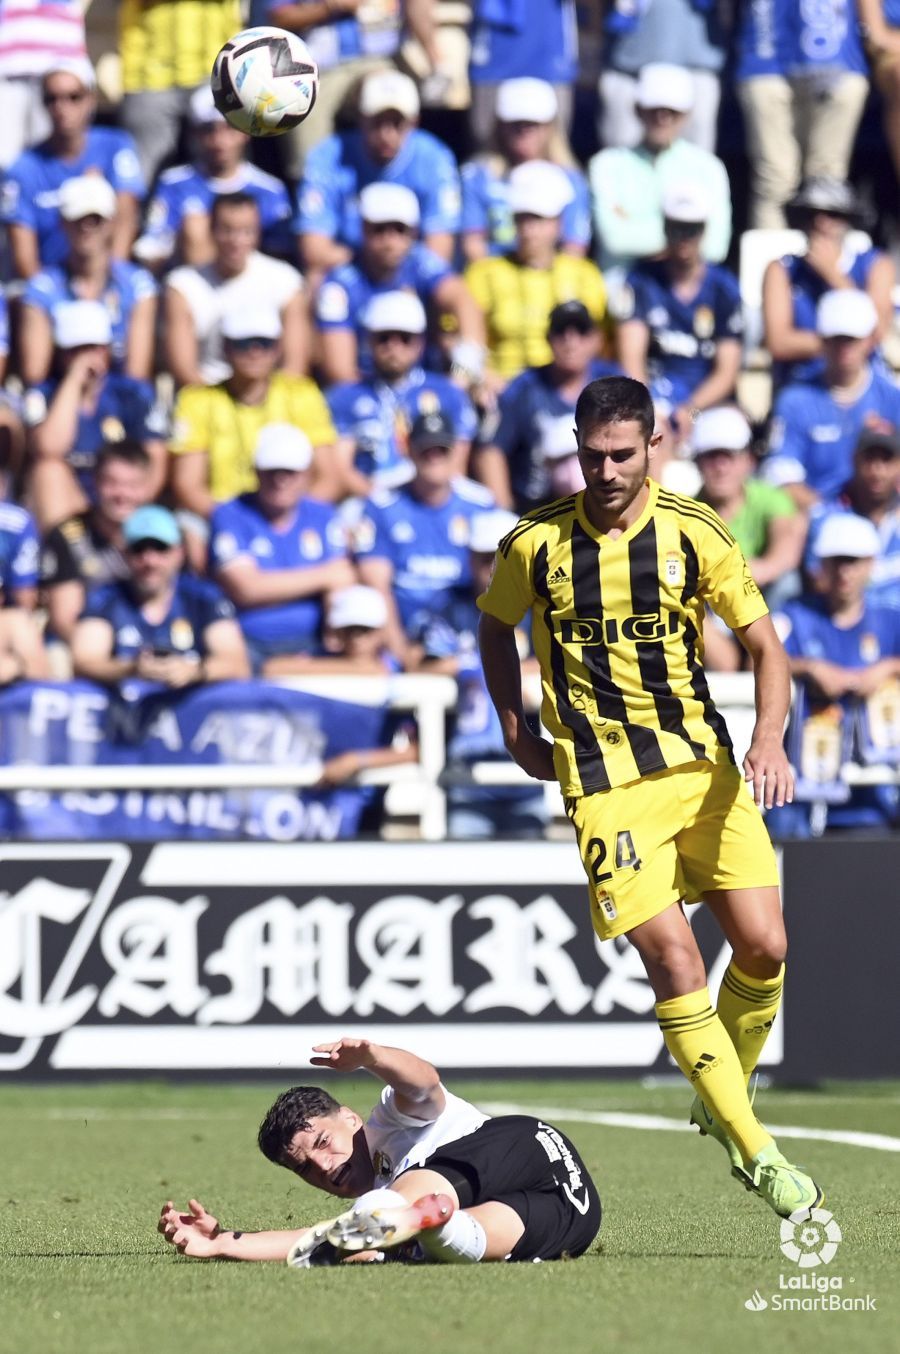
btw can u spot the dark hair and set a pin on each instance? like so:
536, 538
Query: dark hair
291, 1114
129, 451
615, 399
225, 200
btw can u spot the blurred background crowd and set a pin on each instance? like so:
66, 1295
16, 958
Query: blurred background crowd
268, 407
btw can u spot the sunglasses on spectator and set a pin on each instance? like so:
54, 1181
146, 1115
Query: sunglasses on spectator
387, 335
382, 227
244, 345
72, 96
141, 547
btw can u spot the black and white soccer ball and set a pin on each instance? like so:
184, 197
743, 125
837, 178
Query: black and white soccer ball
264, 81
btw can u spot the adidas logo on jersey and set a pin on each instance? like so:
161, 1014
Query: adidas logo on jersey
559, 576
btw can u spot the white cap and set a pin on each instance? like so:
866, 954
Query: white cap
539, 188
251, 322
722, 429
843, 533
86, 195
81, 322
487, 529
282, 446
661, 85
79, 66
685, 202
383, 90
380, 202
846, 313
526, 100
357, 606
202, 109
400, 310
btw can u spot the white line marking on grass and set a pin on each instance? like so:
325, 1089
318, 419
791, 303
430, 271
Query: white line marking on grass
879, 1142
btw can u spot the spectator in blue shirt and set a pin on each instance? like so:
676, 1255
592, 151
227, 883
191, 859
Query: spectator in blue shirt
86, 406
535, 417
390, 258
387, 147
160, 624
177, 221
816, 425
413, 542
373, 416
526, 129
89, 272
802, 83
451, 646
19, 557
277, 553
29, 194
512, 38
873, 492
825, 210
681, 318
843, 651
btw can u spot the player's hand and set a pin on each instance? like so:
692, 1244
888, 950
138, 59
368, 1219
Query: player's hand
767, 767
534, 755
347, 1055
192, 1233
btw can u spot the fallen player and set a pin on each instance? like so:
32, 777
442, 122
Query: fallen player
432, 1177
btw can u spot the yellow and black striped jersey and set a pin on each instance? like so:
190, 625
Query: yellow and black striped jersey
617, 626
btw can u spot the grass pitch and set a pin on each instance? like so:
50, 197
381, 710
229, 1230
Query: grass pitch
682, 1247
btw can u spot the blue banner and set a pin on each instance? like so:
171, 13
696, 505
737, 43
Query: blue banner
80, 724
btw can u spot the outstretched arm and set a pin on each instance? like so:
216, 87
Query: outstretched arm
198, 1235
416, 1084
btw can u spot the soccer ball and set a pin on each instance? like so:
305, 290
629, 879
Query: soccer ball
264, 81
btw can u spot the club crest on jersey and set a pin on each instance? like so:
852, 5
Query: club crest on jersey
458, 530
704, 322
674, 571
181, 633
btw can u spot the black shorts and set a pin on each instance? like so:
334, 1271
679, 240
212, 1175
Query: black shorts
533, 1169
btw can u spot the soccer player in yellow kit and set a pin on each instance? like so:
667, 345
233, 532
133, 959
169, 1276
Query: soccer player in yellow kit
617, 578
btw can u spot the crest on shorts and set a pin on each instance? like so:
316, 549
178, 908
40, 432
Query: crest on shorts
606, 905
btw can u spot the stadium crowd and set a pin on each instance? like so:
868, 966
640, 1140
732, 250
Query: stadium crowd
275, 420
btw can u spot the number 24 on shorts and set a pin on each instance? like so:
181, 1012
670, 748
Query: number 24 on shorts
626, 856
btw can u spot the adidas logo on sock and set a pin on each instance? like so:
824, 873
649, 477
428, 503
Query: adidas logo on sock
705, 1063
559, 576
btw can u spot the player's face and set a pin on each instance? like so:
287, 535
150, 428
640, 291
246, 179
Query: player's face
235, 233
280, 490
395, 353
69, 105
615, 462
153, 566
221, 146
332, 1155
525, 140
661, 126
121, 488
844, 579
386, 244
384, 134
878, 474
574, 349
723, 472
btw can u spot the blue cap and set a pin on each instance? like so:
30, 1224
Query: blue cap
151, 523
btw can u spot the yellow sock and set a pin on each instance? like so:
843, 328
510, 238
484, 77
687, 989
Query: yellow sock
747, 1007
702, 1048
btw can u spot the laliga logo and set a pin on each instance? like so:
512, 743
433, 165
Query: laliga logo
810, 1237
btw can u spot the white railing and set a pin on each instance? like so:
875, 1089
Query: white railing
416, 789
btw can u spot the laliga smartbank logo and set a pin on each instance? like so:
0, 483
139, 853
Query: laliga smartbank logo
810, 1239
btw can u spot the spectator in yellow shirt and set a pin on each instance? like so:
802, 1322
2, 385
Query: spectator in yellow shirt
517, 291
216, 427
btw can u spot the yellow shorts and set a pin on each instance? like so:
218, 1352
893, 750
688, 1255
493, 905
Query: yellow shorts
670, 836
